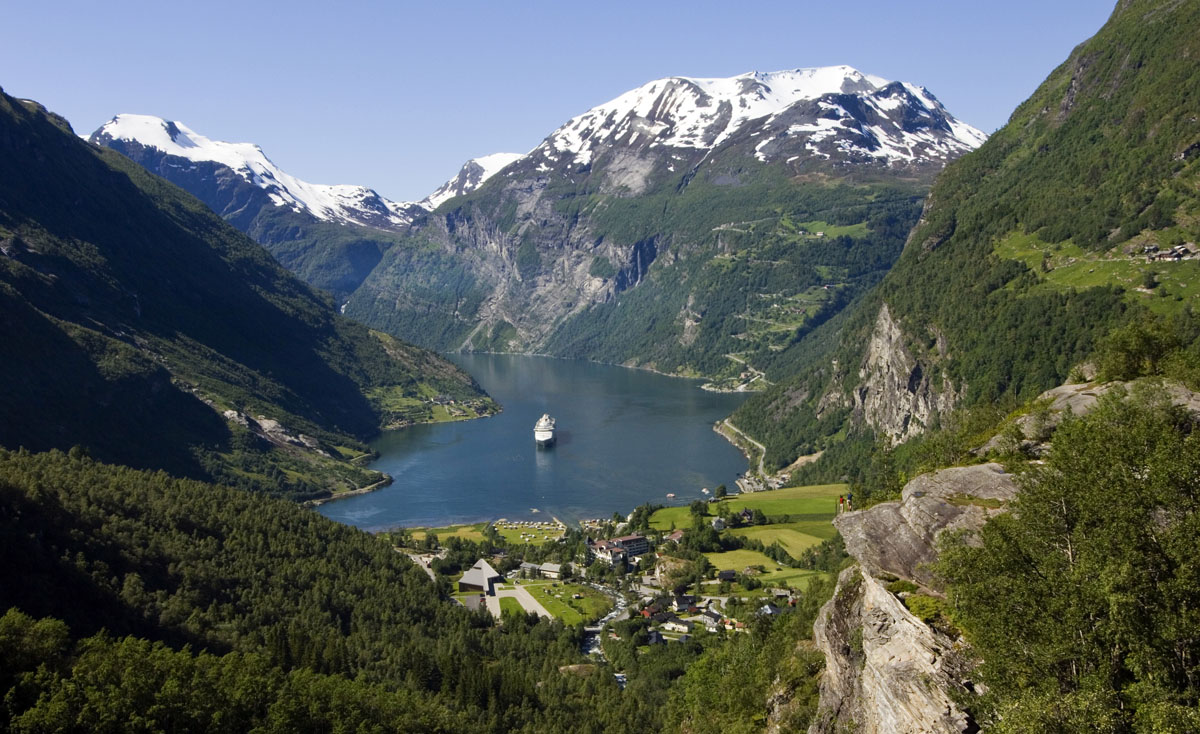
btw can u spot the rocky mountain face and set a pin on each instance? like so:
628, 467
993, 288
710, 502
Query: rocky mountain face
642, 231
472, 175
332, 236
1076, 217
887, 669
892, 663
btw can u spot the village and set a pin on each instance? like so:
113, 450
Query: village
660, 575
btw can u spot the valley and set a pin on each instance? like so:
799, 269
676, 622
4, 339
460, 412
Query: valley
866, 420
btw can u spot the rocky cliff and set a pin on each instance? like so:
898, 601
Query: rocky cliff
887, 670
896, 394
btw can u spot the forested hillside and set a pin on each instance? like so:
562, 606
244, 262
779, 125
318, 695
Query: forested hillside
1030, 250
134, 318
139, 601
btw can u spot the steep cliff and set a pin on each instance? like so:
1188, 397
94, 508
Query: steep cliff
896, 394
887, 669
887, 672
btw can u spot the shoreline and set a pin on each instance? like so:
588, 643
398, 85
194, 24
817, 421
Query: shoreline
387, 479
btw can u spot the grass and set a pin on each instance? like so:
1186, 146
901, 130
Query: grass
466, 532
795, 537
833, 230
1073, 267
816, 503
797, 578
509, 605
559, 602
541, 535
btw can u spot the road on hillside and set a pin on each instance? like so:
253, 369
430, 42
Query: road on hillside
762, 450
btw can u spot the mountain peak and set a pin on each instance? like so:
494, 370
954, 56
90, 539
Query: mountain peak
472, 175
700, 113
338, 203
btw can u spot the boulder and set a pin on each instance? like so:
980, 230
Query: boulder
900, 538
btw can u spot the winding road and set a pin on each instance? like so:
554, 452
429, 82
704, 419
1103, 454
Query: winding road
762, 450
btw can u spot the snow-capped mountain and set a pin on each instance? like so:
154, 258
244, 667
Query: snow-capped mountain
474, 172
668, 193
345, 203
832, 113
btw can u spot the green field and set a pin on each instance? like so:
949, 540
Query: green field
559, 602
548, 532
816, 503
509, 605
1070, 266
738, 560
466, 532
795, 537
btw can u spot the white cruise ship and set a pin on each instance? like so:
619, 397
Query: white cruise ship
543, 430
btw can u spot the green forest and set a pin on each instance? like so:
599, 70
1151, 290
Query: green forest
141, 602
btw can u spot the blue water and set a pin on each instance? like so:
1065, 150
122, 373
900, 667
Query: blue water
624, 437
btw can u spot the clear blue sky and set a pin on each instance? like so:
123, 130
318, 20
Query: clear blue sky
397, 95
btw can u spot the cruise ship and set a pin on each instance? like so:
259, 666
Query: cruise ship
543, 430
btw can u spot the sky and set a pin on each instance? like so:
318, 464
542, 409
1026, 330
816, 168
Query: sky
398, 95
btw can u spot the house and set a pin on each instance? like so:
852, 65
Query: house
711, 619
746, 515
675, 537
608, 552
530, 570
675, 624
551, 570
768, 610
480, 577
683, 602
718, 524
661, 617
655, 638
727, 575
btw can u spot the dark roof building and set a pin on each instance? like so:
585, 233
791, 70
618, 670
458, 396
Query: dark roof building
480, 577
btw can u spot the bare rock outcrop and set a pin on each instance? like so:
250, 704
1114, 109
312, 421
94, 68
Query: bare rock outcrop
886, 671
896, 395
900, 538
1053, 406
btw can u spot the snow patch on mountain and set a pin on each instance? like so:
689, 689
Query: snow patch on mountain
338, 203
703, 113
474, 172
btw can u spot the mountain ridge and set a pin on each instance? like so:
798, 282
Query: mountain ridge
156, 335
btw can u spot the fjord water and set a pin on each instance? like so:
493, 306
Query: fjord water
624, 437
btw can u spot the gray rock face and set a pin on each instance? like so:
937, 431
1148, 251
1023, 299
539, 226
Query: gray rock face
900, 538
886, 671
895, 394
1073, 399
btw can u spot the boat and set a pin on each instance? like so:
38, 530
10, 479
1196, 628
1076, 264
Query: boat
543, 430
670, 495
